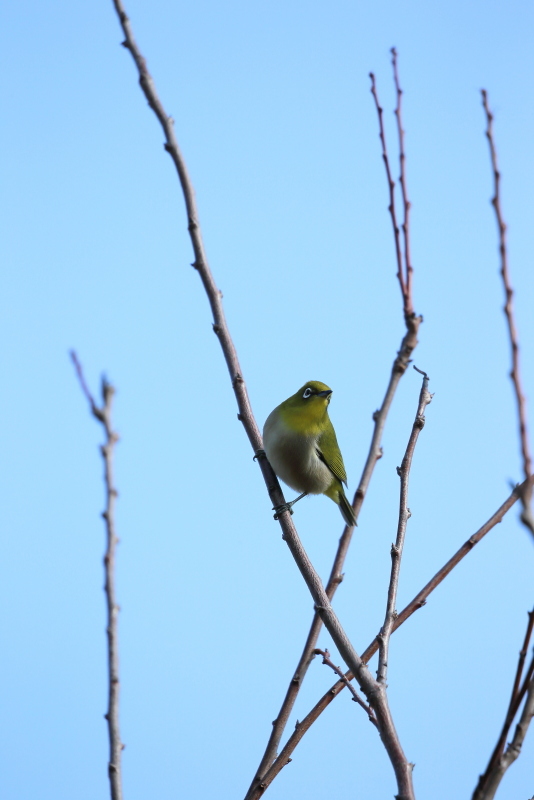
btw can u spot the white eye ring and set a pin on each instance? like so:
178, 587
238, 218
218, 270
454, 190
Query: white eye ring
307, 393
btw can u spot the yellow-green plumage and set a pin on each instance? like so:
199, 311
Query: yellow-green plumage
301, 445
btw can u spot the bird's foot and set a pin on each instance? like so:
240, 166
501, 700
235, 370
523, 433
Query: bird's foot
259, 454
280, 509
287, 506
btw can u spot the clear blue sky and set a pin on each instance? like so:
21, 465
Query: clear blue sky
276, 122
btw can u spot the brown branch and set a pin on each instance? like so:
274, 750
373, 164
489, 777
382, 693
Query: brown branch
515, 375
391, 187
103, 415
522, 657
488, 783
408, 268
500, 759
418, 602
373, 690
400, 364
404, 515
85, 389
514, 748
355, 696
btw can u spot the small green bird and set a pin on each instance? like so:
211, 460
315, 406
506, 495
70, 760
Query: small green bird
301, 445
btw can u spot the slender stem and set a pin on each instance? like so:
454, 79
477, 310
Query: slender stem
201, 262
518, 692
396, 549
500, 760
408, 268
488, 791
103, 415
375, 693
418, 602
391, 186
400, 364
515, 374
522, 657
355, 696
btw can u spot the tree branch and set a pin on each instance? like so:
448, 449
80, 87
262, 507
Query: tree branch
391, 187
526, 517
404, 515
375, 693
400, 364
408, 269
501, 760
418, 602
512, 751
103, 415
355, 696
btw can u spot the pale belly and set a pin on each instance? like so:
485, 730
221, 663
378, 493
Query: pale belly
294, 459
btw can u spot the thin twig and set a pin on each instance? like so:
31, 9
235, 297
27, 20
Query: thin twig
514, 748
404, 515
522, 656
418, 602
515, 375
85, 389
103, 415
494, 768
500, 759
200, 263
400, 364
408, 268
391, 187
355, 696
374, 691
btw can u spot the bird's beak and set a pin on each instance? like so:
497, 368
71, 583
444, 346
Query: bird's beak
326, 393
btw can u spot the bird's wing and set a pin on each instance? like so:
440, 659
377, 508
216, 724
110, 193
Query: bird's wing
328, 451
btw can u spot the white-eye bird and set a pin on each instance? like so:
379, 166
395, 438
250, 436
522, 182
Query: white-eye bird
301, 445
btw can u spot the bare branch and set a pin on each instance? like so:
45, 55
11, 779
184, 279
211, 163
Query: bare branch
400, 364
515, 375
522, 656
512, 751
391, 186
375, 692
408, 269
501, 760
103, 415
201, 262
404, 515
79, 372
355, 696
418, 602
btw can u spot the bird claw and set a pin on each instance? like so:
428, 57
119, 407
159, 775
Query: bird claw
280, 509
259, 454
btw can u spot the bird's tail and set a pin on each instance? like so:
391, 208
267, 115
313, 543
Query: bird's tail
347, 512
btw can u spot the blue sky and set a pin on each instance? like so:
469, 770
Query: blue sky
276, 122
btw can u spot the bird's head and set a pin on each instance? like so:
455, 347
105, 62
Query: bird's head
312, 399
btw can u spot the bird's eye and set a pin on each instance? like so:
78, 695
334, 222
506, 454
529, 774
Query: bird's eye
307, 393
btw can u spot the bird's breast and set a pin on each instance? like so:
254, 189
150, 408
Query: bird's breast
293, 456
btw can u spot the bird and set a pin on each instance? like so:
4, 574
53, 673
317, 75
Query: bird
301, 445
